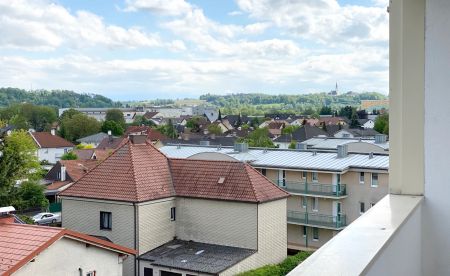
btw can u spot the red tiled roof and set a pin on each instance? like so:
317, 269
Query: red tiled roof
134, 172
140, 172
47, 140
20, 243
149, 114
77, 168
111, 143
57, 184
200, 179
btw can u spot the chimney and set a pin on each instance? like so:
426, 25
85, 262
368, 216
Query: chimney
371, 155
110, 135
5, 214
241, 147
138, 138
63, 173
380, 138
53, 131
342, 151
301, 146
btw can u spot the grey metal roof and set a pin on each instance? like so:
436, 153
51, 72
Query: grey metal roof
283, 158
332, 143
196, 256
94, 138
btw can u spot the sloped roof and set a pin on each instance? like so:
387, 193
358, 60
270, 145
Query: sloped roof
20, 243
150, 114
301, 134
200, 179
152, 134
94, 138
111, 143
134, 173
75, 169
140, 172
84, 154
47, 140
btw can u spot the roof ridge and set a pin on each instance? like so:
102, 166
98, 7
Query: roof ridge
250, 181
133, 169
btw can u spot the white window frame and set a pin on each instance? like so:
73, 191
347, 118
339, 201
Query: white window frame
363, 177
362, 207
371, 180
315, 206
315, 179
314, 236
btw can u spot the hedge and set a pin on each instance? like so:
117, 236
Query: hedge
280, 269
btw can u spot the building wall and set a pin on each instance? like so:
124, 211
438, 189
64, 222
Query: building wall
83, 215
358, 192
296, 239
66, 256
218, 222
155, 225
272, 238
52, 155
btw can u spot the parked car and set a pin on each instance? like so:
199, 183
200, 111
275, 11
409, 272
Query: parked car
46, 218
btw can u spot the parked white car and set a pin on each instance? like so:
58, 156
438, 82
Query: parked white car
46, 218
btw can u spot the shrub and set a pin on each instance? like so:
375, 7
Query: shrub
280, 269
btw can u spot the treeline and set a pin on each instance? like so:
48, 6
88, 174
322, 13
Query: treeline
54, 98
259, 104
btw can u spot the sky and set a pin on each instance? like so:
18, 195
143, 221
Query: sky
147, 49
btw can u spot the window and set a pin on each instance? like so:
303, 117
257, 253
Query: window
304, 202
315, 176
148, 271
315, 233
362, 208
91, 273
172, 213
346, 135
105, 220
264, 172
304, 175
361, 177
304, 231
374, 182
316, 204
372, 204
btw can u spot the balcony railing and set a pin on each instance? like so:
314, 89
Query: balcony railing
317, 189
318, 220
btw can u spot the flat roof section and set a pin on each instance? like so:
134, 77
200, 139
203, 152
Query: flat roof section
196, 256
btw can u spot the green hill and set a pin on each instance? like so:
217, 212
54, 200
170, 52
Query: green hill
55, 98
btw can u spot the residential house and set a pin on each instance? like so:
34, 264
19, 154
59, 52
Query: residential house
299, 135
93, 140
153, 135
111, 143
328, 190
206, 140
91, 154
141, 199
356, 133
366, 123
50, 146
40, 250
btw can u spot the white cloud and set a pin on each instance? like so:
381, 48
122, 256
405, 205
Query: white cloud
40, 25
163, 7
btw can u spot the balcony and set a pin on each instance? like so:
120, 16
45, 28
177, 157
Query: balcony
317, 220
313, 189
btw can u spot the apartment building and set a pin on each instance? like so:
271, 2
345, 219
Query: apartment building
328, 190
182, 216
99, 113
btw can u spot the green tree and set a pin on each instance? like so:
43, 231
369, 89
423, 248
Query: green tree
326, 110
347, 111
69, 156
115, 128
140, 120
293, 144
194, 123
168, 129
382, 124
115, 115
19, 122
18, 161
79, 125
39, 117
289, 130
259, 138
29, 195
214, 129
354, 120
69, 113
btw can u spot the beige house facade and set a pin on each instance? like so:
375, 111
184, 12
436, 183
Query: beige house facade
217, 207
